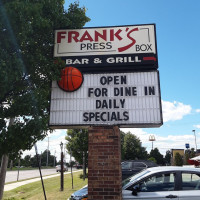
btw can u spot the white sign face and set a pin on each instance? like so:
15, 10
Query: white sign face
105, 41
123, 99
124, 47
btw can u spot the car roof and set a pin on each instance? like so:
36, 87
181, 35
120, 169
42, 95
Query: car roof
161, 169
136, 161
172, 168
145, 161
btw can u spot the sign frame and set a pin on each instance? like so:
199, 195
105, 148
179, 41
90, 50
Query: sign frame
121, 125
117, 62
135, 56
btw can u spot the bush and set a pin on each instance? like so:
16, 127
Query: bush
152, 159
81, 176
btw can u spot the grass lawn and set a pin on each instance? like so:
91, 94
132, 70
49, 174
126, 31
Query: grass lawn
34, 191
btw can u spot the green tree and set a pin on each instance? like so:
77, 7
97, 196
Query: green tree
192, 153
122, 135
178, 160
155, 153
77, 144
152, 159
50, 158
42, 158
168, 157
132, 148
27, 68
26, 161
186, 157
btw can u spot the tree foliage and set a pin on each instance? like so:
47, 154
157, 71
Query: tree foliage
26, 161
132, 148
122, 135
77, 144
152, 159
29, 161
42, 160
178, 160
155, 153
189, 153
27, 66
192, 153
168, 157
186, 157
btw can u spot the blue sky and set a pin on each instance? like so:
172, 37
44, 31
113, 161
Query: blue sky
178, 44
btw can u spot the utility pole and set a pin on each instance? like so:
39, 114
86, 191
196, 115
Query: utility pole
40, 159
195, 139
54, 161
71, 169
64, 155
61, 174
84, 167
48, 153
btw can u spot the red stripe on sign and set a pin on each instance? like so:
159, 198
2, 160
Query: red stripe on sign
149, 58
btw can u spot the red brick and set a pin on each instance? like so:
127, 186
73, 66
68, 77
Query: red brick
104, 163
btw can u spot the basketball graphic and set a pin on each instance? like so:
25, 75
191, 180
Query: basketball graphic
71, 79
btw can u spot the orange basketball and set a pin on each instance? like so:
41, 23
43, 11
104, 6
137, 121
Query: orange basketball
71, 79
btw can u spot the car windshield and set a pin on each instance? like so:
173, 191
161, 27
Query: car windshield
134, 177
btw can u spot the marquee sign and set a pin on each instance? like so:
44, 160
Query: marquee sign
110, 78
123, 99
102, 48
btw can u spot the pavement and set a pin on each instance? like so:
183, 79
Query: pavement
12, 186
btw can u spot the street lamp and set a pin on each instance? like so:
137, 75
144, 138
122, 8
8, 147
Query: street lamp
195, 139
54, 161
61, 173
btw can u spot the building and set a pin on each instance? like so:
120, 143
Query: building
174, 151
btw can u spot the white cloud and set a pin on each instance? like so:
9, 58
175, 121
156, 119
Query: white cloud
197, 110
173, 111
163, 143
57, 132
54, 141
197, 126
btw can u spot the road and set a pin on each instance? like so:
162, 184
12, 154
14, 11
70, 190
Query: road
26, 174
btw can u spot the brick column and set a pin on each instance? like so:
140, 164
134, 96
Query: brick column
104, 164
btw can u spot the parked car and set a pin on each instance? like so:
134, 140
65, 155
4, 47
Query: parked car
81, 194
58, 168
178, 183
78, 166
131, 167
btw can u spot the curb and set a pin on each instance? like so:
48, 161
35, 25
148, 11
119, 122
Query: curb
12, 186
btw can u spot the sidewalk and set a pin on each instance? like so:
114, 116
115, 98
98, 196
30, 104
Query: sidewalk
12, 186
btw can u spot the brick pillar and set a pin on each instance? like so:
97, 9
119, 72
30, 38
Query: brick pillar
104, 164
